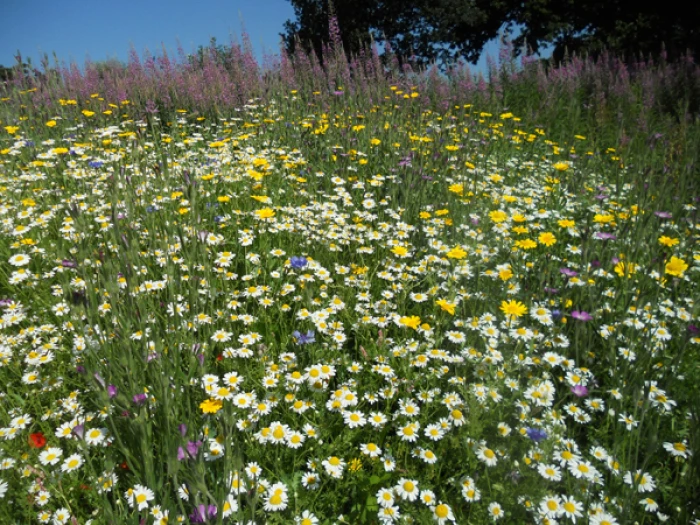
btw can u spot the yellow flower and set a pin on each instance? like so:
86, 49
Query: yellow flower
88, 113
399, 251
51, 123
211, 406
375, 142
446, 306
11, 129
561, 166
668, 241
603, 219
547, 238
676, 267
498, 216
505, 275
622, 269
513, 308
566, 223
456, 253
411, 322
526, 244
457, 188
265, 213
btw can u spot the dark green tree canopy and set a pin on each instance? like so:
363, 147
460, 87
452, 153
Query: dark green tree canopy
445, 30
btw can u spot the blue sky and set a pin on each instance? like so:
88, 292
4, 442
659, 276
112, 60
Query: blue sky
75, 29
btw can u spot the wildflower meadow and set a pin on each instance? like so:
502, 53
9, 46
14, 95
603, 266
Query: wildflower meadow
344, 291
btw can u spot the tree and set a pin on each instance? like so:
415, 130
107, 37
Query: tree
445, 30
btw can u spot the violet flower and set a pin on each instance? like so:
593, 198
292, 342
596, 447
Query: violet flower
581, 316
112, 391
579, 391
604, 236
298, 262
536, 434
304, 339
139, 399
78, 431
568, 272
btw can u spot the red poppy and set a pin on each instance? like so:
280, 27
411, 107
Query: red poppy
37, 440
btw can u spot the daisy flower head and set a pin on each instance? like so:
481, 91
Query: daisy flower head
487, 456
603, 518
334, 467
276, 498
71, 463
50, 456
389, 514
496, 511
306, 518
371, 450
19, 259
385, 497
407, 489
571, 508
139, 496
442, 513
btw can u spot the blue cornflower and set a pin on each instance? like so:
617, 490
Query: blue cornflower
151, 209
298, 262
95, 164
304, 339
536, 434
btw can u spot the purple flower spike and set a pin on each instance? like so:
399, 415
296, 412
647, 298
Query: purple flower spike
579, 391
581, 316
